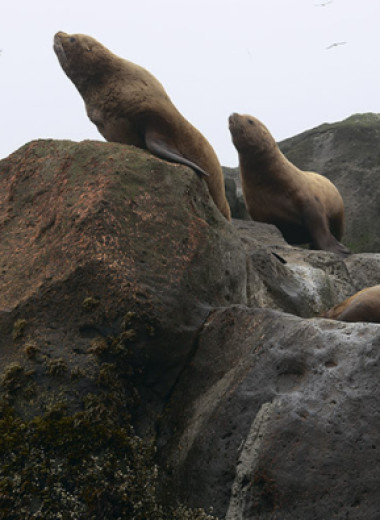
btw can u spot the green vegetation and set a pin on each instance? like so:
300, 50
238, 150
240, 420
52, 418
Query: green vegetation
19, 328
61, 466
90, 303
78, 459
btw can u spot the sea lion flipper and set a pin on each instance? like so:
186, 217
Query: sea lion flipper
316, 222
158, 146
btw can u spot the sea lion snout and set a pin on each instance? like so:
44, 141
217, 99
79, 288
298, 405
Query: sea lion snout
57, 39
59, 50
59, 36
237, 131
233, 118
233, 121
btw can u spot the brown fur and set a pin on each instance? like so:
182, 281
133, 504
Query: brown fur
129, 105
362, 306
305, 206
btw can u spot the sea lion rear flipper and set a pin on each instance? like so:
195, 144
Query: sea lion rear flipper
158, 146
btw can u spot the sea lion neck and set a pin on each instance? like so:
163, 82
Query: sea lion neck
87, 83
84, 60
260, 158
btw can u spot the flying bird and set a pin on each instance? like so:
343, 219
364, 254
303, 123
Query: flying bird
336, 44
324, 4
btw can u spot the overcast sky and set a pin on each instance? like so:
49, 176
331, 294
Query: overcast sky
268, 58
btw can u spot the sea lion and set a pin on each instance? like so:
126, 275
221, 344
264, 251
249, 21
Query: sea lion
362, 306
305, 206
129, 105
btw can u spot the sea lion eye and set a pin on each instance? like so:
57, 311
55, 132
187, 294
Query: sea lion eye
72, 39
251, 122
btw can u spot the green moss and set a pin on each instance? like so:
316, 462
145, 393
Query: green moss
128, 335
61, 466
98, 346
31, 350
80, 458
56, 367
12, 377
90, 303
19, 328
128, 318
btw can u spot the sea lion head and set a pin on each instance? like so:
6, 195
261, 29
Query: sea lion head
249, 134
82, 57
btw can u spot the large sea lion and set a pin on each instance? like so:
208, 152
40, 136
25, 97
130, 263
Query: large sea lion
362, 306
129, 105
305, 206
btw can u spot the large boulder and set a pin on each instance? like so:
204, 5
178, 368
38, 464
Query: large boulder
263, 418
234, 193
111, 260
112, 223
278, 418
130, 304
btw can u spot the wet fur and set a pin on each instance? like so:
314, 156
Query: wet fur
362, 306
129, 105
305, 206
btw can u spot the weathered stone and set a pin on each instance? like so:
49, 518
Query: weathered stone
119, 273
235, 198
112, 222
276, 418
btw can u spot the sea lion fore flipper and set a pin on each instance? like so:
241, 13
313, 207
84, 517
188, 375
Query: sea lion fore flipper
156, 144
321, 236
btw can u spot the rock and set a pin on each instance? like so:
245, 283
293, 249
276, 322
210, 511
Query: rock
299, 281
234, 194
111, 222
129, 305
282, 411
111, 259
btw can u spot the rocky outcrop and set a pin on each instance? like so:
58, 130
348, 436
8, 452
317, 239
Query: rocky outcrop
273, 423
111, 260
129, 304
279, 418
109, 223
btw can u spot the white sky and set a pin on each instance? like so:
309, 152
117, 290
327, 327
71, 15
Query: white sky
267, 58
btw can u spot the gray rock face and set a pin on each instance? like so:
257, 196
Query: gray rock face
268, 421
234, 193
285, 424
118, 265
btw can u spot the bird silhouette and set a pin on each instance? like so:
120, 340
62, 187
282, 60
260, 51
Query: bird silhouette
336, 44
324, 4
